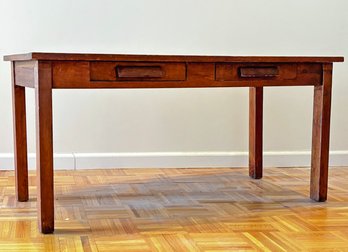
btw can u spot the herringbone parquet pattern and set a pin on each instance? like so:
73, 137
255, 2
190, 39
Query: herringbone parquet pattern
180, 210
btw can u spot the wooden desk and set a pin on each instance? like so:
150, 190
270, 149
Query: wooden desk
47, 71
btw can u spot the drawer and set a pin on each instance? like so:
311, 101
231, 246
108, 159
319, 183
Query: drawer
242, 71
137, 71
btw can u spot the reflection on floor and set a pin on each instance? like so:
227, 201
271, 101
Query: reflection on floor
180, 210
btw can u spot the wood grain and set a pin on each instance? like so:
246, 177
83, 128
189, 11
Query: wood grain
44, 148
20, 138
186, 58
100, 74
141, 71
179, 210
321, 136
255, 132
25, 73
280, 71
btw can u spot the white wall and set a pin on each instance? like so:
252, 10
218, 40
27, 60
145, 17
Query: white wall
197, 122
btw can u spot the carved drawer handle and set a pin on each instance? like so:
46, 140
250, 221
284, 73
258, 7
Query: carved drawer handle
259, 72
139, 72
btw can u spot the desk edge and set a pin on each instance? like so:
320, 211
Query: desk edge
182, 58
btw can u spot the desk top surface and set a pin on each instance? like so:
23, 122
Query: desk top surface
171, 58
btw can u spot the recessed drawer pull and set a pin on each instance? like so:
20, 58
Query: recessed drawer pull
139, 72
258, 72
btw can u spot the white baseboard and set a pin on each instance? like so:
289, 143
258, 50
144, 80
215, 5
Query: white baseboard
61, 161
75, 161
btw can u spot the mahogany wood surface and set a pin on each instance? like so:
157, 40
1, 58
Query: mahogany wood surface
321, 136
165, 58
44, 148
100, 74
255, 131
25, 73
133, 71
47, 71
20, 139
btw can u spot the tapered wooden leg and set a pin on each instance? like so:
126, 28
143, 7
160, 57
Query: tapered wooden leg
20, 139
321, 136
44, 146
255, 131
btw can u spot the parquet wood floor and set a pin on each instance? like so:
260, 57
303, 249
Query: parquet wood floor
179, 210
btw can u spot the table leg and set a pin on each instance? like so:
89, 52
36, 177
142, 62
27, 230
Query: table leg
321, 136
20, 139
255, 131
44, 146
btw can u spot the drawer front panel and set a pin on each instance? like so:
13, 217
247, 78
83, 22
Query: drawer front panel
240, 72
137, 71
102, 74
